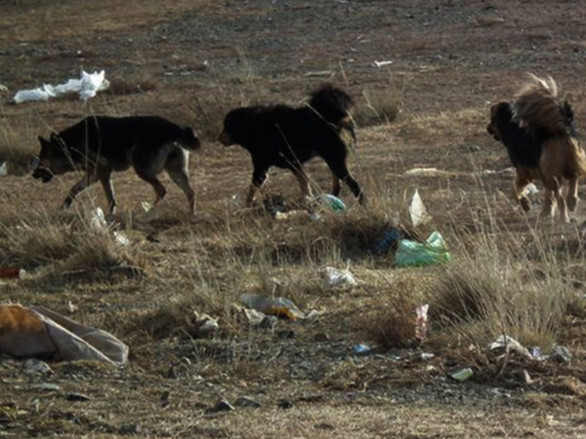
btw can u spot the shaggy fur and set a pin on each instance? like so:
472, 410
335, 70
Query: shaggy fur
287, 137
539, 134
100, 145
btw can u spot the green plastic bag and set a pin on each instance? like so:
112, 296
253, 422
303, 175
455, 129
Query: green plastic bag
416, 254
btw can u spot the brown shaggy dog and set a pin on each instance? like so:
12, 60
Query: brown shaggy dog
538, 132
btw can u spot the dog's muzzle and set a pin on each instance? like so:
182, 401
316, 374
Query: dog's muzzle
43, 173
493, 133
224, 138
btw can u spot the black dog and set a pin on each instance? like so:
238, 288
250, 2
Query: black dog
287, 137
100, 145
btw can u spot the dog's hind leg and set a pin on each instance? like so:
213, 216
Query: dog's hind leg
104, 176
157, 186
303, 181
176, 167
88, 179
339, 169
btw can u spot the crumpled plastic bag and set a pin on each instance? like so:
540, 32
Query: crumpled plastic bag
417, 254
87, 87
37, 331
335, 277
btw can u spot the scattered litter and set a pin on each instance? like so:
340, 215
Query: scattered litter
426, 356
382, 63
279, 306
205, 323
531, 189
487, 20
87, 87
389, 240
361, 349
121, 239
3, 88
71, 307
221, 406
561, 354
507, 343
39, 332
462, 375
48, 387
429, 172
98, 219
416, 254
34, 366
297, 214
417, 211
12, 273
421, 322
4, 169
319, 73
331, 201
335, 277
536, 354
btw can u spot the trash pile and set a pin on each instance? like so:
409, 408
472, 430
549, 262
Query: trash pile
408, 252
39, 332
87, 86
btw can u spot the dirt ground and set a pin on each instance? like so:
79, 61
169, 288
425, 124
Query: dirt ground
442, 62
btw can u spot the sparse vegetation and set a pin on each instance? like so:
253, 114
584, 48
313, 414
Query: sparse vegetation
192, 62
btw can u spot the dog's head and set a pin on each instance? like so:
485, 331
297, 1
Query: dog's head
234, 126
53, 159
501, 112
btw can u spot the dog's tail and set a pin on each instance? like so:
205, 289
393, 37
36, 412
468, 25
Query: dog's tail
333, 104
538, 108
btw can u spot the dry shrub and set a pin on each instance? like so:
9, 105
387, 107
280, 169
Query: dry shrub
18, 145
64, 244
492, 288
393, 324
378, 106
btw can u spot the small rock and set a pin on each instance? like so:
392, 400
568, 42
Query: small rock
49, 387
321, 337
562, 354
324, 426
77, 397
285, 404
130, 429
245, 401
286, 334
221, 406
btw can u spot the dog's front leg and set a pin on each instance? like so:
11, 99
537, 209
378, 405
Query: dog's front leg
88, 179
572, 198
520, 184
259, 176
